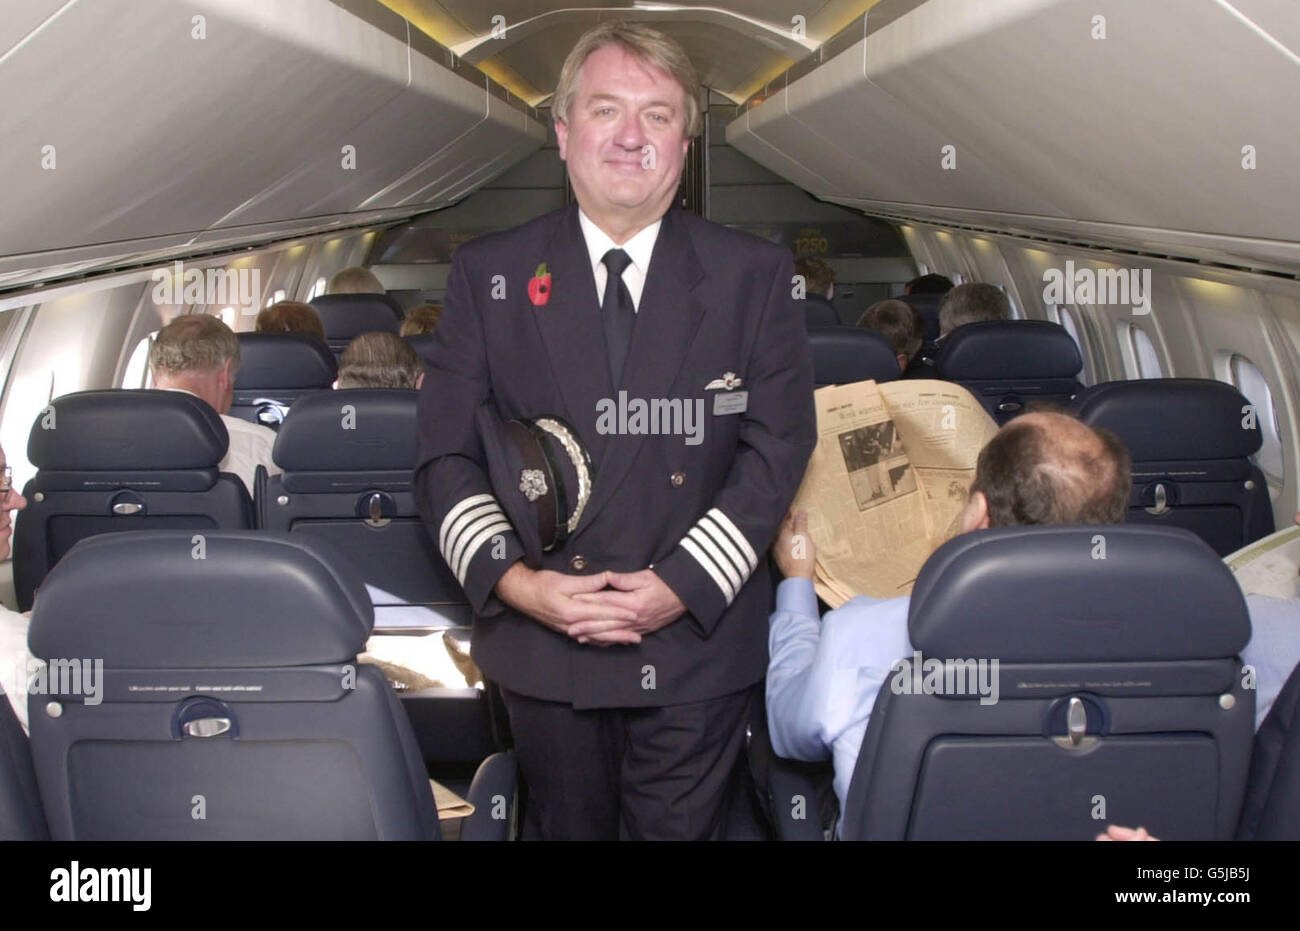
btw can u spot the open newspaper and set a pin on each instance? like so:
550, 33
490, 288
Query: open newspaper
887, 481
1269, 566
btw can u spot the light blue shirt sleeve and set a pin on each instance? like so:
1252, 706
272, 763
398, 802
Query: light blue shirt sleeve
824, 674
1274, 647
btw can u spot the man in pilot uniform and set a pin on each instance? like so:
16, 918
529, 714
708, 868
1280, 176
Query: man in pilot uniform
629, 653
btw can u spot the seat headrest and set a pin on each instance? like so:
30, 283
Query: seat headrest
923, 302
422, 343
843, 355
1067, 594
1164, 419
347, 315
163, 599
350, 430
927, 305
127, 430
270, 361
1005, 349
819, 312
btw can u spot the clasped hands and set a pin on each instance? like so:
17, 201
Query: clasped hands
602, 609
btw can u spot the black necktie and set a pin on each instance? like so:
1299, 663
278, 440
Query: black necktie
618, 311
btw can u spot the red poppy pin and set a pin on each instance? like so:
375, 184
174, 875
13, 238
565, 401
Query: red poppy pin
539, 286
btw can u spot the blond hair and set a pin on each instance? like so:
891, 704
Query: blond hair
192, 343
290, 317
354, 280
649, 46
421, 319
379, 360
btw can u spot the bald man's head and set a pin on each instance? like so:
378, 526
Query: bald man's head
1050, 468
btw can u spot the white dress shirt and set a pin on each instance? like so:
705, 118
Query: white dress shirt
639, 249
14, 661
250, 446
825, 672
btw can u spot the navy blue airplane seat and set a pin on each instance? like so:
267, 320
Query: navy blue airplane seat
819, 312
1009, 363
274, 369
1117, 665
843, 355
346, 316
928, 307
347, 457
1190, 439
118, 460
21, 817
422, 343
1272, 807
230, 704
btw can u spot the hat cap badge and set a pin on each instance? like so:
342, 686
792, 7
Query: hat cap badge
532, 483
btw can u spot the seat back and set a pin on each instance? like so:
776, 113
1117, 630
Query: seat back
346, 316
119, 460
21, 817
274, 370
1191, 440
347, 458
1060, 674
422, 343
1272, 807
1009, 364
819, 312
225, 700
843, 355
927, 305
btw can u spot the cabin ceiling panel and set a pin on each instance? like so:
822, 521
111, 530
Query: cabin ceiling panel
1135, 140
735, 46
20, 18
230, 115
1145, 126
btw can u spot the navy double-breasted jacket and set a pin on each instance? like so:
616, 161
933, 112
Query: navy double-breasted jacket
716, 303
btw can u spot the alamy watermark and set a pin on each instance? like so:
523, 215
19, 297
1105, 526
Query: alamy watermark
929, 676
1131, 286
64, 677
657, 416
235, 287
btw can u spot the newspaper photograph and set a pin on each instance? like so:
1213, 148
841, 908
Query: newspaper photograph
887, 481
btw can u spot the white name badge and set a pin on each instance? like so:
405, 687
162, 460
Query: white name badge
730, 402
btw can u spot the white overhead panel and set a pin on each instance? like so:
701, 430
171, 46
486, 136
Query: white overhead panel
1133, 124
228, 121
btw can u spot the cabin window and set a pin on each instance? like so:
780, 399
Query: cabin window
316, 290
1140, 358
1015, 308
1144, 351
1065, 317
1249, 380
137, 373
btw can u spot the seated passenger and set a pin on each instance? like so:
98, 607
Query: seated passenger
898, 323
354, 280
974, 302
1042, 468
199, 354
290, 317
380, 360
13, 626
421, 319
928, 284
819, 290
